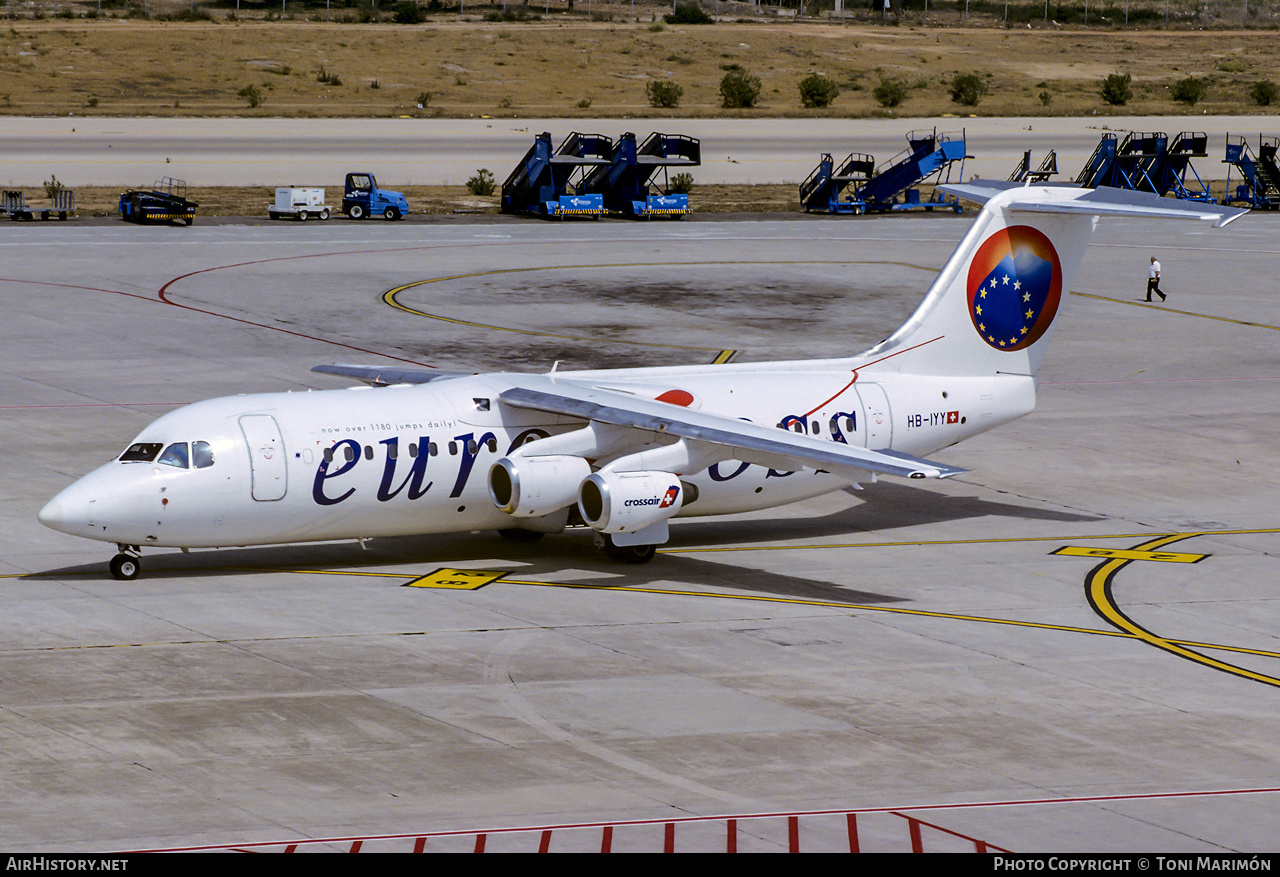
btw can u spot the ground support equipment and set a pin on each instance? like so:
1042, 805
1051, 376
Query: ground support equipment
824, 188
928, 157
549, 183
300, 204
1148, 162
1177, 177
13, 203
166, 202
1260, 186
1133, 163
1024, 174
361, 198
629, 182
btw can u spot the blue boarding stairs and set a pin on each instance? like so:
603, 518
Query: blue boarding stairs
549, 182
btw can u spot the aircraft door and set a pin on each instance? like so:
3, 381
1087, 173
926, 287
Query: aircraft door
267, 460
875, 410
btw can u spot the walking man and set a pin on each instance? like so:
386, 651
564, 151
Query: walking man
1153, 280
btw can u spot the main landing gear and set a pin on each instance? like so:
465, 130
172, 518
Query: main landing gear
624, 553
127, 564
603, 541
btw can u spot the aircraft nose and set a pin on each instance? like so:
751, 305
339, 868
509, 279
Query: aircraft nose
68, 511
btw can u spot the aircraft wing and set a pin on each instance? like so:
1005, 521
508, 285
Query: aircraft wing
737, 439
385, 376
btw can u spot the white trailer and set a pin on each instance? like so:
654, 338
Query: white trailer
302, 204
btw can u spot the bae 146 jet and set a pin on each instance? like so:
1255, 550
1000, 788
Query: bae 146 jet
619, 451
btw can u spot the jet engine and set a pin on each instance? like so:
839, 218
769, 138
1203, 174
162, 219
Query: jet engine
528, 487
624, 502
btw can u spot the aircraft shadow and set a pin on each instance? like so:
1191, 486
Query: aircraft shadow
883, 506
545, 560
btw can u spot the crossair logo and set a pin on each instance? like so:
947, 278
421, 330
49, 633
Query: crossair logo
665, 501
1014, 287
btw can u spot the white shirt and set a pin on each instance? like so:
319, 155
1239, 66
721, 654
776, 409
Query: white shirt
1155, 271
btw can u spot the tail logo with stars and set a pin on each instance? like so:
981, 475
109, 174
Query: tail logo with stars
1014, 287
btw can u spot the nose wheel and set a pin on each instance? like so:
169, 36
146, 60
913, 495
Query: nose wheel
126, 565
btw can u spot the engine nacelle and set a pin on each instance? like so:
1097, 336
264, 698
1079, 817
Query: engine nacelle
528, 487
623, 502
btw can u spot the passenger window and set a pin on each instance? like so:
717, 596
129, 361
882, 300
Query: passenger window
175, 455
141, 452
201, 455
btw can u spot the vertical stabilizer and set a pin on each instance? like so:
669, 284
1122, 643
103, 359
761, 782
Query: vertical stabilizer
993, 308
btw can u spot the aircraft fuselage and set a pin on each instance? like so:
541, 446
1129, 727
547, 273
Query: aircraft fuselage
414, 459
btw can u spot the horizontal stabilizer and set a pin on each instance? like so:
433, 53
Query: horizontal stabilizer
1102, 201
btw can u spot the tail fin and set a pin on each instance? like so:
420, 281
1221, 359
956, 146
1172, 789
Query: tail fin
992, 309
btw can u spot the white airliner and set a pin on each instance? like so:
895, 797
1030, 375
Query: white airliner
620, 451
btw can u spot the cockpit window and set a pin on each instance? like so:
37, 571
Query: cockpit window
201, 455
141, 452
174, 455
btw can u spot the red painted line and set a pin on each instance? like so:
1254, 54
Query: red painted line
822, 405
606, 839
979, 845
355, 847
480, 840
546, 841
865, 365
669, 838
163, 293
1026, 802
793, 833
917, 845
420, 844
136, 295
852, 820
91, 405
731, 835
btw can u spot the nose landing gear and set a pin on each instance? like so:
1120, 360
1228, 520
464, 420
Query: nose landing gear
127, 564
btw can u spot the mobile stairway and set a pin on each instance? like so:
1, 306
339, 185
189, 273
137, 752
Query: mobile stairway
1148, 162
1125, 164
1176, 174
1260, 188
928, 156
549, 182
824, 187
629, 182
1024, 174
1100, 168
